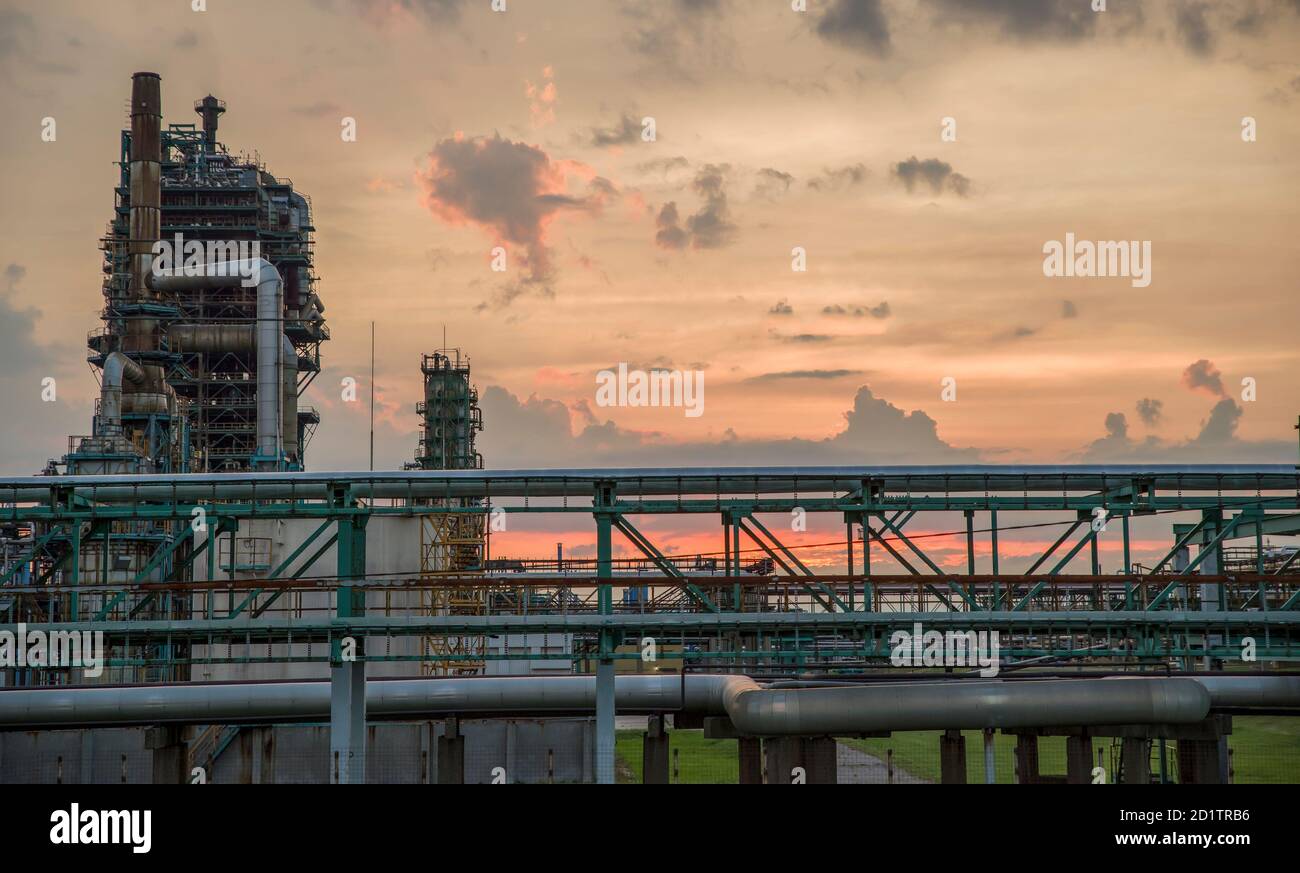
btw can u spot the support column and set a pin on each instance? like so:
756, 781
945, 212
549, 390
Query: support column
654, 752
605, 663
952, 758
347, 664
750, 751
1078, 759
1200, 762
801, 760
990, 768
1137, 761
1026, 759
451, 754
167, 742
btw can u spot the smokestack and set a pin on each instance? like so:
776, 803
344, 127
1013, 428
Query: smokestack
209, 109
146, 178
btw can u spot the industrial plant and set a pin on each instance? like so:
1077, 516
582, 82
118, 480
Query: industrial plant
184, 598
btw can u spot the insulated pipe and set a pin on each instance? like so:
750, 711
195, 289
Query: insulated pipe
269, 330
289, 397
1268, 692
753, 710
118, 368
208, 338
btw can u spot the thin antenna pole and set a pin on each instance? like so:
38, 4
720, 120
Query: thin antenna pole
372, 396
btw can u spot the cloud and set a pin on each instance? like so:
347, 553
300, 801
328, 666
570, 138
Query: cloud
880, 310
1204, 376
856, 24
539, 432
842, 177
1150, 410
625, 132
319, 109
678, 37
542, 98
781, 307
804, 374
1068, 309
435, 11
510, 189
710, 227
1063, 20
186, 39
936, 174
772, 183
1193, 30
20, 353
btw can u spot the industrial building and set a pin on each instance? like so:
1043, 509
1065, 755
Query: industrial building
267, 623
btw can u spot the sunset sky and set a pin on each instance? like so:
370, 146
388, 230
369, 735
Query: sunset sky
774, 129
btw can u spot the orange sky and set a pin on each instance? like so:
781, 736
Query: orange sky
774, 129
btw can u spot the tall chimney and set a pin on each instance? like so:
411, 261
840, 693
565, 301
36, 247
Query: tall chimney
146, 178
209, 109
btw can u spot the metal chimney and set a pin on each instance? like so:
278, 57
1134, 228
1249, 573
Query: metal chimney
146, 178
210, 109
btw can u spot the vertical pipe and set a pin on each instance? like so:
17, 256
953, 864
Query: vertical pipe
990, 772
848, 541
604, 664
1128, 566
993, 529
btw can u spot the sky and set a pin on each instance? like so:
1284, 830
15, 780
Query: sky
657, 173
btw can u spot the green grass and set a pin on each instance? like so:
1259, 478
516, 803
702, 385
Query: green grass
1266, 749
698, 761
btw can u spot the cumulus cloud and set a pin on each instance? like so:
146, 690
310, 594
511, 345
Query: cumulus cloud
1204, 376
839, 177
856, 24
625, 131
510, 189
1150, 410
933, 173
772, 183
540, 432
880, 310
710, 227
781, 307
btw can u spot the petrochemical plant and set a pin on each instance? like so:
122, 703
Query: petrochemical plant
260, 622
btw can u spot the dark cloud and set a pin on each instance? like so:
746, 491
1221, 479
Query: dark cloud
856, 24
1068, 309
937, 175
1065, 20
710, 227
663, 166
19, 351
625, 131
511, 189
678, 37
1193, 30
842, 177
804, 374
1204, 376
538, 432
880, 310
772, 183
803, 338
1150, 410
781, 307
186, 39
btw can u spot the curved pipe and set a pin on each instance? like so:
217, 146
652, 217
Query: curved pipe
753, 710
118, 368
269, 330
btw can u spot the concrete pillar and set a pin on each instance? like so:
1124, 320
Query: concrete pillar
952, 758
1137, 761
1026, 759
451, 754
605, 723
750, 751
1200, 762
801, 760
654, 753
348, 723
170, 754
1078, 760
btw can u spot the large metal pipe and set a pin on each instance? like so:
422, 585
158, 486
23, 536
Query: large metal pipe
118, 368
209, 338
647, 481
269, 330
288, 398
1263, 692
753, 710
146, 178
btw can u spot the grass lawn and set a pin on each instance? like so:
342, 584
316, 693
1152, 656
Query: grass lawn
1264, 749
